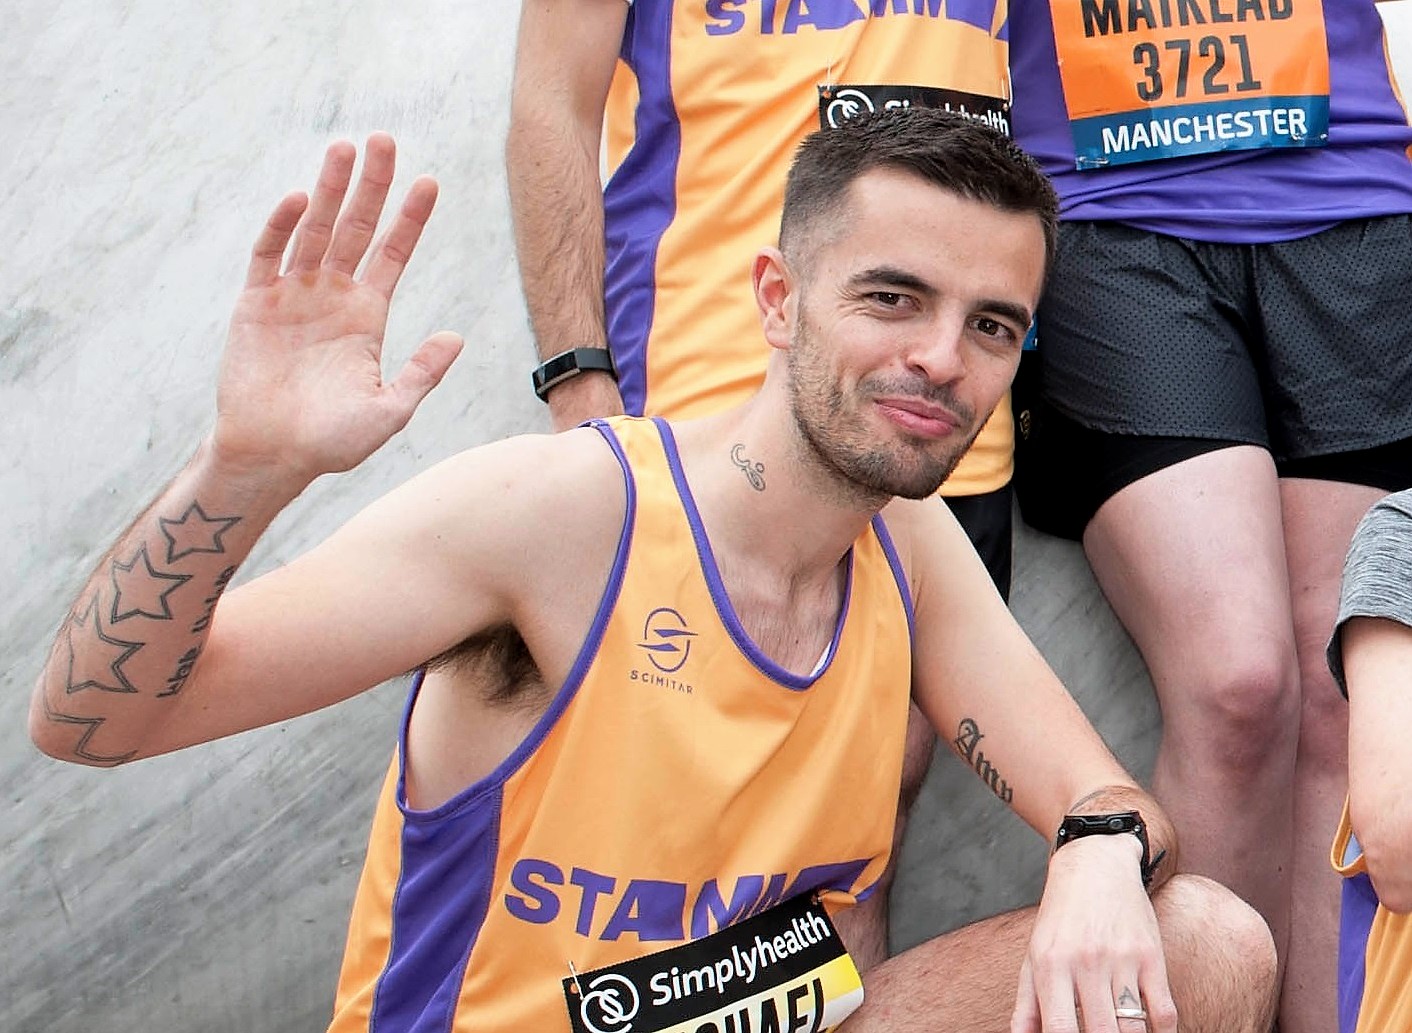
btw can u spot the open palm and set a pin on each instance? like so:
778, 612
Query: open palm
301, 383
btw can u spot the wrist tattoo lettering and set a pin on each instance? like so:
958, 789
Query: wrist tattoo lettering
209, 603
140, 591
187, 663
184, 667
754, 472
195, 532
967, 743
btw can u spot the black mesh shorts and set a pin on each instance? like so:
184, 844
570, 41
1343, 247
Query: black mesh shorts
1303, 347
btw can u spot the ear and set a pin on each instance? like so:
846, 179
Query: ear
775, 296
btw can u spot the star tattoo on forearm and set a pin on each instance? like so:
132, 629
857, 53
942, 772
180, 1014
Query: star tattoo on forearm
90, 725
138, 589
96, 666
195, 532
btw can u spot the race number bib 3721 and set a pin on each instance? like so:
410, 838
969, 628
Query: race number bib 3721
1149, 79
784, 969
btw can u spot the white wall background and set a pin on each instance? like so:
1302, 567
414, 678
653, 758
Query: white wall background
144, 143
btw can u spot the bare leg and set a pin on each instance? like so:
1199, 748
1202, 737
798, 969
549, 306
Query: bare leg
1319, 518
863, 929
1192, 559
1220, 962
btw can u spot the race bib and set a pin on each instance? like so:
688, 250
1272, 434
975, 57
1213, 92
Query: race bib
1150, 79
838, 103
784, 969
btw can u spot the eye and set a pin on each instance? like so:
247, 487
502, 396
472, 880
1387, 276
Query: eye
899, 303
993, 328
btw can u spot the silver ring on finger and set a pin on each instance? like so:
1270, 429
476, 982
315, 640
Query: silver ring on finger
1130, 1013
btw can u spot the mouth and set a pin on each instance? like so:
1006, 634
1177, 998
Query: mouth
919, 417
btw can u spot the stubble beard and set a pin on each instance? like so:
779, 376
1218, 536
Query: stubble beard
836, 437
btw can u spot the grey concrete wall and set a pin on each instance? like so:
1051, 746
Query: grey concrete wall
144, 143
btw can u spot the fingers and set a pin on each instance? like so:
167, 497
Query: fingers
1055, 991
1157, 998
268, 252
391, 254
1026, 1017
423, 372
323, 236
316, 228
355, 227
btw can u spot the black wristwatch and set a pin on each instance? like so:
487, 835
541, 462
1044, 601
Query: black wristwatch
1077, 826
570, 364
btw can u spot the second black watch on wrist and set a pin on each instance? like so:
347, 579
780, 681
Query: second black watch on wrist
569, 364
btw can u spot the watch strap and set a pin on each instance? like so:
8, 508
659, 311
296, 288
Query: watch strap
1079, 826
567, 365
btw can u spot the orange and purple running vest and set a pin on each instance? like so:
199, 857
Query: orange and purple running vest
679, 782
1374, 951
704, 115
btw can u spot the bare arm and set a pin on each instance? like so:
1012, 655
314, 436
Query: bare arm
1371, 656
1377, 657
564, 63
301, 393
991, 695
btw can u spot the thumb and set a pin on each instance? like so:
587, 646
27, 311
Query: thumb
423, 372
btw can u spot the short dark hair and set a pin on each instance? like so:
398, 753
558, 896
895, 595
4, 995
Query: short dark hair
966, 157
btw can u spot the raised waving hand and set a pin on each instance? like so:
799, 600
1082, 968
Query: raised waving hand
302, 383
301, 393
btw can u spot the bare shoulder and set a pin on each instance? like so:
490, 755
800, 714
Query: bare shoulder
932, 547
567, 485
488, 534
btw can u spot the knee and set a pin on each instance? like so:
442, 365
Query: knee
1240, 717
1220, 957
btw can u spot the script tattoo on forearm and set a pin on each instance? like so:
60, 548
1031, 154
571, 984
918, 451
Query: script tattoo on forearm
187, 663
101, 636
967, 744
754, 472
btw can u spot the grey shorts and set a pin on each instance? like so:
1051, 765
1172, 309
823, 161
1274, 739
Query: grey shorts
1302, 346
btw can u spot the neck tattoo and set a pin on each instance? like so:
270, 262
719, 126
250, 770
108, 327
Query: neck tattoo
754, 472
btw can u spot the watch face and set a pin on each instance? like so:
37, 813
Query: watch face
1076, 826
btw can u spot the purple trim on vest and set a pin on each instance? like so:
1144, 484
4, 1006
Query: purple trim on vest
640, 200
717, 588
1360, 904
898, 574
448, 852
443, 891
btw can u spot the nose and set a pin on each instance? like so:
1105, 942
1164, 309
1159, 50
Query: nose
938, 352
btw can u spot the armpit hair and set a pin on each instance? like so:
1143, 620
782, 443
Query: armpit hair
498, 662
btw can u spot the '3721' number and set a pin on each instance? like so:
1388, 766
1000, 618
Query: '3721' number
1209, 49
